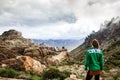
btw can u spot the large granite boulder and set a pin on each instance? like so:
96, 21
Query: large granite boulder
25, 63
32, 51
56, 59
29, 64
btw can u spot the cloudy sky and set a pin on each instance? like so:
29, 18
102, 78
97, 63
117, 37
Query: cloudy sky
56, 19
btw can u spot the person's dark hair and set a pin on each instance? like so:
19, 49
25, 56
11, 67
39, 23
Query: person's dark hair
95, 43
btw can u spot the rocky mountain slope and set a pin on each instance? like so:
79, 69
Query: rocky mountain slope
109, 38
22, 59
18, 52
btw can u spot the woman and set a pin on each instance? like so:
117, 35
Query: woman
94, 61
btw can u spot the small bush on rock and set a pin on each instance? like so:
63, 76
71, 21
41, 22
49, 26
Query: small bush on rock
10, 73
54, 73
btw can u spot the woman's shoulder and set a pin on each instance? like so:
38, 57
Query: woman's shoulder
94, 50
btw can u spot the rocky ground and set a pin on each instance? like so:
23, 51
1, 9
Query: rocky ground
78, 73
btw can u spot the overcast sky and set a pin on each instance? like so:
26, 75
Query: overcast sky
56, 19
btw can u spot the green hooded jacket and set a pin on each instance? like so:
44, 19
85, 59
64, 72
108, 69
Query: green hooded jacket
94, 60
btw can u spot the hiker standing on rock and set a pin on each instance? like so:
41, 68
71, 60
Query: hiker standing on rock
94, 61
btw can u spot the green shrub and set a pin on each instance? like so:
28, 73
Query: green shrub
36, 77
31, 76
54, 73
28, 75
10, 73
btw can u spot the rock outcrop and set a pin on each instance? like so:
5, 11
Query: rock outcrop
32, 51
11, 34
12, 43
13, 38
31, 56
29, 64
24, 63
56, 59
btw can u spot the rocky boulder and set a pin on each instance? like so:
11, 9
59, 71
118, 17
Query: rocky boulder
29, 64
56, 59
25, 63
32, 51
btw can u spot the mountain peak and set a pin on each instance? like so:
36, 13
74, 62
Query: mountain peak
11, 34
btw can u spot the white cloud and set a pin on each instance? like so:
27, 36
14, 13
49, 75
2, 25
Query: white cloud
56, 18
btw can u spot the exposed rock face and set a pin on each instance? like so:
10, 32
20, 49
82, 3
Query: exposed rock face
13, 38
29, 64
10, 63
56, 59
39, 51
60, 57
32, 51
45, 50
12, 34
7, 53
25, 63
12, 42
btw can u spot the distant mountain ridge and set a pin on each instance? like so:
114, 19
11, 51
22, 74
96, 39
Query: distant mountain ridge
67, 43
